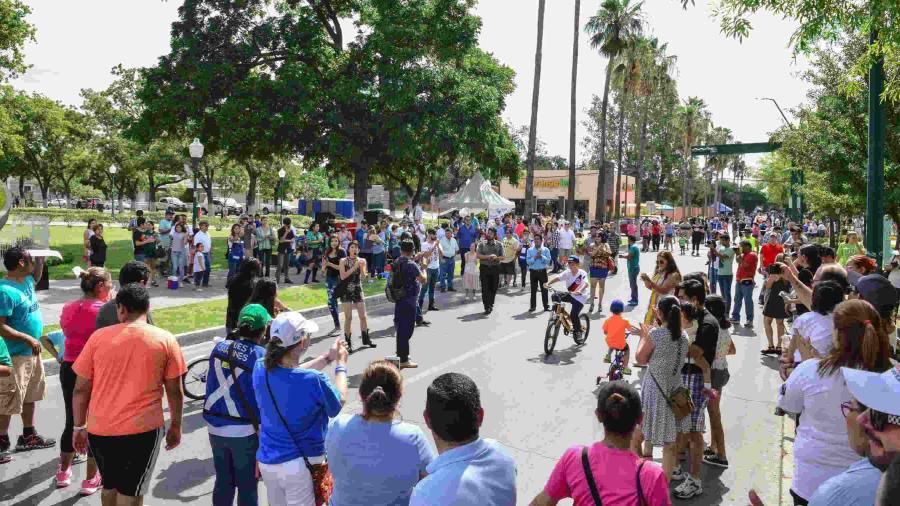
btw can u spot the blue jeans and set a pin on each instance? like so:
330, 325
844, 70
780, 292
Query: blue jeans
428, 288
713, 275
330, 283
725, 288
743, 293
554, 252
632, 282
233, 266
208, 269
448, 265
179, 260
235, 461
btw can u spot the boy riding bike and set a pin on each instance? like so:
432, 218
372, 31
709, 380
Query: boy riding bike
615, 327
577, 285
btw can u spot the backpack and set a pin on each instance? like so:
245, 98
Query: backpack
395, 288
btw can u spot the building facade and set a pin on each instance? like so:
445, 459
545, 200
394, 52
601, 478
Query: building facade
551, 190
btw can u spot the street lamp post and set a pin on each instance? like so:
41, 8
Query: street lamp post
196, 151
280, 205
112, 203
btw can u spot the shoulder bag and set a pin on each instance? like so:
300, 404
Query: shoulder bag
586, 464
679, 399
322, 479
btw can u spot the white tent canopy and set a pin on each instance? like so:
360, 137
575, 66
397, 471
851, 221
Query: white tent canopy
478, 194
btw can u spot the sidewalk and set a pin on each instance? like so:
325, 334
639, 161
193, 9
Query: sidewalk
62, 291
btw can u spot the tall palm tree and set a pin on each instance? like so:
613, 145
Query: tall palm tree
719, 135
532, 131
615, 22
692, 116
570, 209
657, 79
627, 73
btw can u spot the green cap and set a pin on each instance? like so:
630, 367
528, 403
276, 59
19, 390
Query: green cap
256, 315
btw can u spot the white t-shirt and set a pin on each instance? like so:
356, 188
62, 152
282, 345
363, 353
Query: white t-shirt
199, 262
894, 276
817, 328
203, 238
566, 239
821, 449
576, 284
431, 248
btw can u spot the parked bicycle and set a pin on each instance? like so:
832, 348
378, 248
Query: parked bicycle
194, 380
559, 319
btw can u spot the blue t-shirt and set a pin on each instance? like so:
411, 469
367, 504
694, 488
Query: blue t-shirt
375, 462
634, 263
20, 307
5, 359
465, 235
410, 272
306, 399
378, 248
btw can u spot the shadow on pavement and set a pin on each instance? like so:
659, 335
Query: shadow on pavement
770, 362
43, 473
472, 317
527, 315
559, 357
181, 476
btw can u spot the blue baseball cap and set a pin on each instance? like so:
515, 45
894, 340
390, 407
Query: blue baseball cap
617, 306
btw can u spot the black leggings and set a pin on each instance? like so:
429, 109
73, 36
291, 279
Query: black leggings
67, 379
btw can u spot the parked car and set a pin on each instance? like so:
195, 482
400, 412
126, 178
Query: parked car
227, 207
174, 202
57, 202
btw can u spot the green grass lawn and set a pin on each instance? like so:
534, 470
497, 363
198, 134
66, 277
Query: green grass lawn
67, 240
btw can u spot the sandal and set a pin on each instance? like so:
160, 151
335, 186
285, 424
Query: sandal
778, 350
768, 351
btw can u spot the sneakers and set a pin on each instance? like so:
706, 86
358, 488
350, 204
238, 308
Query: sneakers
715, 460
748, 325
34, 442
626, 371
735, 321
63, 478
90, 487
690, 488
408, 365
678, 474
606, 360
5, 456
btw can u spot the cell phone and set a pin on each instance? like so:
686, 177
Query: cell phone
784, 295
774, 269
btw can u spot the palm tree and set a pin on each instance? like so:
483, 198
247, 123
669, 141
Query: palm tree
719, 135
692, 116
628, 74
658, 80
615, 22
532, 131
570, 209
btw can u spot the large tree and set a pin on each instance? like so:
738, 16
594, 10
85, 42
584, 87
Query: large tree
616, 22
15, 32
410, 91
535, 100
570, 209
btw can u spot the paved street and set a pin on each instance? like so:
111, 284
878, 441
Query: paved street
537, 406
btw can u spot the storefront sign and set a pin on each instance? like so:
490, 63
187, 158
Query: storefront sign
547, 183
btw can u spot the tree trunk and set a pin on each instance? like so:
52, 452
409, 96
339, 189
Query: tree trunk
716, 193
253, 177
391, 203
532, 129
617, 200
151, 191
22, 187
570, 208
360, 189
600, 212
640, 165
687, 178
45, 189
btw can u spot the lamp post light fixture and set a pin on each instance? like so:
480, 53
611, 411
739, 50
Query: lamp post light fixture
196, 151
281, 175
112, 203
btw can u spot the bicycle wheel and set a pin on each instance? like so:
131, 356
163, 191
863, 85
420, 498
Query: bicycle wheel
194, 381
585, 329
615, 372
551, 335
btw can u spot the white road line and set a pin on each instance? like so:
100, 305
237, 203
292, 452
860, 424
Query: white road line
465, 356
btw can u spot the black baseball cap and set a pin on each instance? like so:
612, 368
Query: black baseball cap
878, 291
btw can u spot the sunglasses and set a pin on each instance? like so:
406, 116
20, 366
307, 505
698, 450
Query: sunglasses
848, 407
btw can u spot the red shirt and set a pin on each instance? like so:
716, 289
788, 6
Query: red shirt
747, 268
769, 252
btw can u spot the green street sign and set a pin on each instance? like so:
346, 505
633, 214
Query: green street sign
735, 149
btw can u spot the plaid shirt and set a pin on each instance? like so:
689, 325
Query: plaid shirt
553, 239
614, 242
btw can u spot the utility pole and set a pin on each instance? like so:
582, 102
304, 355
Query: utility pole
875, 179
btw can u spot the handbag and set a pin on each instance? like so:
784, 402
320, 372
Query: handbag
679, 399
586, 464
322, 479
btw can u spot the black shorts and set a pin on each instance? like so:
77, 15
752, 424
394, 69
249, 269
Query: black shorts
508, 268
126, 462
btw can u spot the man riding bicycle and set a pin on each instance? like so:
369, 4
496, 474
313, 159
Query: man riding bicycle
577, 286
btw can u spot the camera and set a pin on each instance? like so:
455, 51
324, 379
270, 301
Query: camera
774, 269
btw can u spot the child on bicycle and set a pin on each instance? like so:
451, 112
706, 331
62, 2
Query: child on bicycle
615, 328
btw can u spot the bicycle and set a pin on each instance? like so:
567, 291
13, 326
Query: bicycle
559, 318
616, 365
194, 380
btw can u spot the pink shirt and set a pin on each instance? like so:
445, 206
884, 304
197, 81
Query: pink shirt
614, 473
78, 321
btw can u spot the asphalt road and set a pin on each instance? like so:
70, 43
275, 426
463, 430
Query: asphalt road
536, 406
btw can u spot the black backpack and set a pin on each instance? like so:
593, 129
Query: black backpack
395, 288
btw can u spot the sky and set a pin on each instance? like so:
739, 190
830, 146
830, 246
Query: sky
79, 42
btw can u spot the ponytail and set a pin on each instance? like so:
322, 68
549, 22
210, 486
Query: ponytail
245, 331
380, 388
861, 340
275, 352
92, 277
670, 308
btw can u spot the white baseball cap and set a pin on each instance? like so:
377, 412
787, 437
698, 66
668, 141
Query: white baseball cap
291, 327
880, 392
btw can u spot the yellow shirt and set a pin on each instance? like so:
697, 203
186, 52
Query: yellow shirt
510, 248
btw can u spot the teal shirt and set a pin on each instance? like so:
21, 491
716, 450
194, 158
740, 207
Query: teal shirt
634, 263
726, 260
5, 359
19, 305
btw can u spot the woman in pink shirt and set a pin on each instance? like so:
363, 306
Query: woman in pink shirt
617, 476
78, 322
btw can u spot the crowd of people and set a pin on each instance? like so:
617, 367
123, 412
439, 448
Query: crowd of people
272, 412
